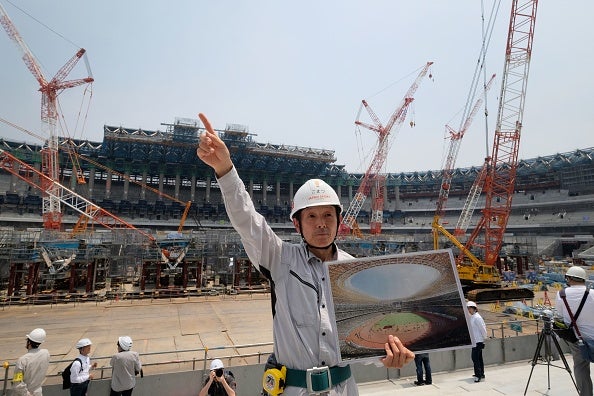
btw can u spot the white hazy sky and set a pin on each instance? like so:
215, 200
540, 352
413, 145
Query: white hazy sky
296, 72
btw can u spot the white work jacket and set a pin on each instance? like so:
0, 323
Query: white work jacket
304, 326
30, 371
585, 321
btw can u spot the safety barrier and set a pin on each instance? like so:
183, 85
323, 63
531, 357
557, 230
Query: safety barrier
507, 343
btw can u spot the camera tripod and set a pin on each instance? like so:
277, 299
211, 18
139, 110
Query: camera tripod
545, 337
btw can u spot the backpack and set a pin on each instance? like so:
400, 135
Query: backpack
66, 374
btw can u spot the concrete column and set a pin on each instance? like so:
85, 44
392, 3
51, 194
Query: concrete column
396, 198
350, 192
264, 191
161, 181
207, 192
290, 192
251, 189
13, 183
177, 183
126, 185
91, 182
278, 190
73, 179
385, 196
143, 190
108, 185
193, 189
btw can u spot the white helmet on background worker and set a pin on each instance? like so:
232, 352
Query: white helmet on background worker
471, 304
216, 364
314, 192
37, 335
576, 272
125, 342
83, 342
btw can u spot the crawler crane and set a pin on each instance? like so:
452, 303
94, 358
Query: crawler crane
499, 174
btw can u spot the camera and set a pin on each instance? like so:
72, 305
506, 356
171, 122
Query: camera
219, 372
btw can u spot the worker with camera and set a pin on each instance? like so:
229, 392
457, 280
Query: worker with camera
220, 382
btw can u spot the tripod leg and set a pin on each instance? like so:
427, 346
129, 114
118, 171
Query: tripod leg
535, 358
562, 356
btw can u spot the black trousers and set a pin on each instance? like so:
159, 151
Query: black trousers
79, 389
477, 359
122, 393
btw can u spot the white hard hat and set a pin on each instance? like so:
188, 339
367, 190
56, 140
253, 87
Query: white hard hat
216, 364
314, 192
37, 335
83, 342
471, 304
576, 272
125, 342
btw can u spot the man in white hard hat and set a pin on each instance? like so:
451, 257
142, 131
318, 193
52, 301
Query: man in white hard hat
80, 372
479, 331
220, 382
125, 365
575, 293
31, 368
304, 328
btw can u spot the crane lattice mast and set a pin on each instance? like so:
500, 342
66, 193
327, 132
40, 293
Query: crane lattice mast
450, 163
52, 215
373, 172
499, 180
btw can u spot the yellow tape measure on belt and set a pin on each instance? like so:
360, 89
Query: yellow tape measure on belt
273, 381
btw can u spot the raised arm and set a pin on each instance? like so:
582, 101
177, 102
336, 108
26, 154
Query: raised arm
213, 151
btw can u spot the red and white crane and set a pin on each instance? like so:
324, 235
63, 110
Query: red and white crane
501, 176
373, 175
450, 164
52, 214
498, 175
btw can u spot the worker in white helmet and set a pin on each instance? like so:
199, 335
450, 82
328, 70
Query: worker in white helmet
479, 332
304, 328
576, 295
125, 366
219, 382
31, 368
80, 372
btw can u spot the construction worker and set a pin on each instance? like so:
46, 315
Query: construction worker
31, 368
304, 328
479, 330
220, 382
80, 375
575, 293
125, 365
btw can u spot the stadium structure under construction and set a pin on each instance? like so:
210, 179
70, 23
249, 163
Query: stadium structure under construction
154, 181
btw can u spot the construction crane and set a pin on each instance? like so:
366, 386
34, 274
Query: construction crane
52, 214
70, 149
373, 177
28, 173
499, 173
450, 164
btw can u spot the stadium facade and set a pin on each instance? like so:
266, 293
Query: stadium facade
145, 177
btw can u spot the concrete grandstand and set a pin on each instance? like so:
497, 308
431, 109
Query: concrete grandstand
133, 173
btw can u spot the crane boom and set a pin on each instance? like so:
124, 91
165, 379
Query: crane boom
500, 176
68, 197
52, 215
372, 174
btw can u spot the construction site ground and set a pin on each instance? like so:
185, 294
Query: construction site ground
224, 324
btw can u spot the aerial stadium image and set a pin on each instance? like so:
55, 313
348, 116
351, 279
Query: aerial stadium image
416, 296
111, 224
